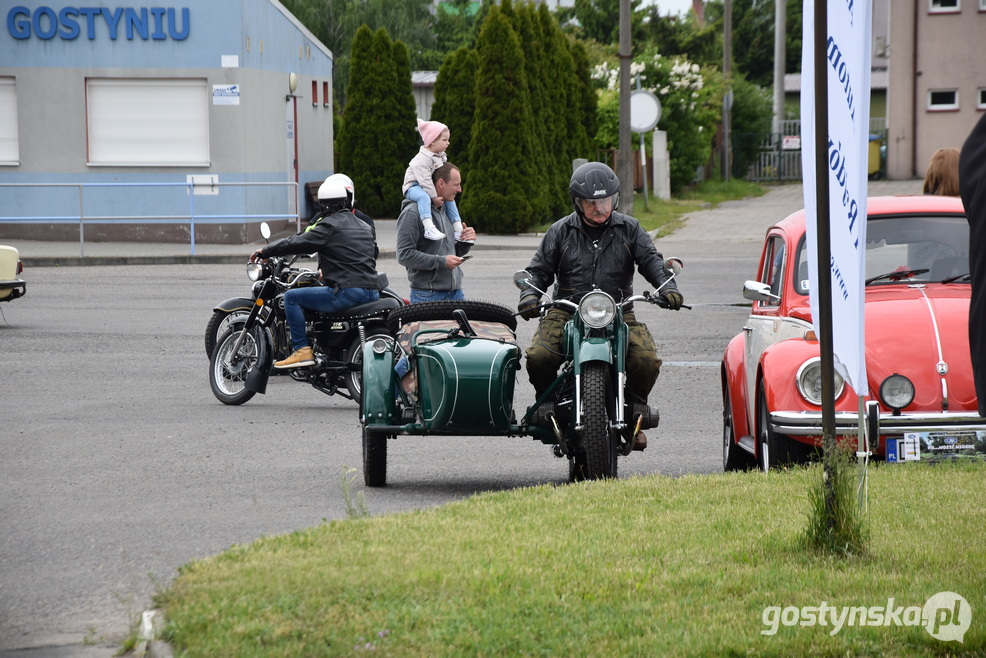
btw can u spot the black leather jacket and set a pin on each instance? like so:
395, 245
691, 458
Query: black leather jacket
346, 249
566, 251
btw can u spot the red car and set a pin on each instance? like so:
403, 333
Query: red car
920, 393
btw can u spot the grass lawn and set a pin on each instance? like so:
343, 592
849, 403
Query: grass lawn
651, 566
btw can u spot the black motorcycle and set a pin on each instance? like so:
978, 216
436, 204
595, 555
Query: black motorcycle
243, 357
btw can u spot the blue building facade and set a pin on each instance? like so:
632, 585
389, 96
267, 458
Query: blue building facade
152, 122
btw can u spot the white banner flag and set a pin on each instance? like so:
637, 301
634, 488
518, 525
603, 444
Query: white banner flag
847, 68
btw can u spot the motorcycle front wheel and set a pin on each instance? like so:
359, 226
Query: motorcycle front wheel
599, 457
217, 326
228, 371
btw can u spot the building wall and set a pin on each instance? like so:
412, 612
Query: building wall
932, 51
255, 44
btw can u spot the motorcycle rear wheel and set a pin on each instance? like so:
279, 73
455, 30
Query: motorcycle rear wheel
354, 357
597, 439
228, 372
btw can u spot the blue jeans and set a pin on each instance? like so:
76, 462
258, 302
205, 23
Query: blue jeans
418, 296
322, 299
417, 194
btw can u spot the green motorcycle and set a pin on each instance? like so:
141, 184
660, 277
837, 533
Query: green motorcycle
452, 367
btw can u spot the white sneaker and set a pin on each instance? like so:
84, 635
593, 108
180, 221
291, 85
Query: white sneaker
433, 233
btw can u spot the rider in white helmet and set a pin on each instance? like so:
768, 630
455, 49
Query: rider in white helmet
347, 250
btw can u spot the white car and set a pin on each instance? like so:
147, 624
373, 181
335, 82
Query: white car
11, 287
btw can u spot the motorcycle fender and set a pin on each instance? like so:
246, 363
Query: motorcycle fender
379, 382
595, 349
235, 304
258, 375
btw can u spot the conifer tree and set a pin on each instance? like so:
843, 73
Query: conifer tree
455, 103
375, 141
496, 197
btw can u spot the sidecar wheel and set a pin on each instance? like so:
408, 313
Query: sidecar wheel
228, 372
597, 439
480, 311
354, 357
374, 458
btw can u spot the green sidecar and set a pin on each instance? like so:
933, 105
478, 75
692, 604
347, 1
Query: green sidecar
449, 370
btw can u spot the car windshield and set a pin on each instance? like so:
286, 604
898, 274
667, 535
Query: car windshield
908, 249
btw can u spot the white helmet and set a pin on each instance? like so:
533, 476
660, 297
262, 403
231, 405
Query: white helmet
337, 187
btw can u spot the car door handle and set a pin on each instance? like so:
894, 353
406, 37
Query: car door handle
746, 328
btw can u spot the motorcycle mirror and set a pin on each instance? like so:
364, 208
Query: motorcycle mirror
522, 279
673, 265
265, 230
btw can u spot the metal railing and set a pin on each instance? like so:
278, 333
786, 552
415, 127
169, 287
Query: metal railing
192, 218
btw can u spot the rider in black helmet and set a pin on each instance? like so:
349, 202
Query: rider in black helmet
594, 247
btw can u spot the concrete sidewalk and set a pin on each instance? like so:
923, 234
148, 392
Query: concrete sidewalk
732, 221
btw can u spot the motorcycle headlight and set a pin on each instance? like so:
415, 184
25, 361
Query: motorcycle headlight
897, 391
255, 271
597, 309
809, 381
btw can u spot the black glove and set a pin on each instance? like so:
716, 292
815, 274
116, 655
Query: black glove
672, 299
528, 307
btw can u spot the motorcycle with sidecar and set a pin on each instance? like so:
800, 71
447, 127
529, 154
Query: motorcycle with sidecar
451, 367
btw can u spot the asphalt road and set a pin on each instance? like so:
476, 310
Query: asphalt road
117, 464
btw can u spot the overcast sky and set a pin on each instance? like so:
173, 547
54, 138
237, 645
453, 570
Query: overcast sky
670, 7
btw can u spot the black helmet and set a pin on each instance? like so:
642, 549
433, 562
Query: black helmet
593, 180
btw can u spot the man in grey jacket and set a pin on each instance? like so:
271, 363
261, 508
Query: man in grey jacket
433, 265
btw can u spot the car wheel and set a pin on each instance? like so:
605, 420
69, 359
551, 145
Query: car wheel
734, 458
771, 451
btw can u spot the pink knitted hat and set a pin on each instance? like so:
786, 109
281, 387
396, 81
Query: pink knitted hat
430, 130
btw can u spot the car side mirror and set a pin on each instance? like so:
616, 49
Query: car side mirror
759, 292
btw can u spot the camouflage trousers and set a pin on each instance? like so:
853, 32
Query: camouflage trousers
545, 355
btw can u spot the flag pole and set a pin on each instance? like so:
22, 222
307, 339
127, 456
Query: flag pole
824, 249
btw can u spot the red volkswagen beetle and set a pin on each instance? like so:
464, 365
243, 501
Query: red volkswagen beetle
920, 393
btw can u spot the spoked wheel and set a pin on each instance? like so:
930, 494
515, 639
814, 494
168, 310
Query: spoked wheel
354, 357
217, 326
374, 458
597, 439
734, 458
228, 371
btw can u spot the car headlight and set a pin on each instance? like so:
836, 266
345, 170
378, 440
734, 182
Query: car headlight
809, 381
597, 309
255, 271
897, 391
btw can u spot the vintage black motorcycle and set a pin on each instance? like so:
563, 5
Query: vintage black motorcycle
242, 359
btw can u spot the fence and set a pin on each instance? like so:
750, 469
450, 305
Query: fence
101, 205
777, 156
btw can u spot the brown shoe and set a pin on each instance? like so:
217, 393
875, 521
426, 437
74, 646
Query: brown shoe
300, 358
641, 441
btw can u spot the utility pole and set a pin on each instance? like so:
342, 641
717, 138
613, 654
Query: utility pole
780, 40
624, 163
727, 69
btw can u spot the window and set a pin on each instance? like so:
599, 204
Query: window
943, 99
314, 93
9, 143
944, 6
773, 269
981, 96
147, 122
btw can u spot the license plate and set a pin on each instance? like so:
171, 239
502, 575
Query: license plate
940, 444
